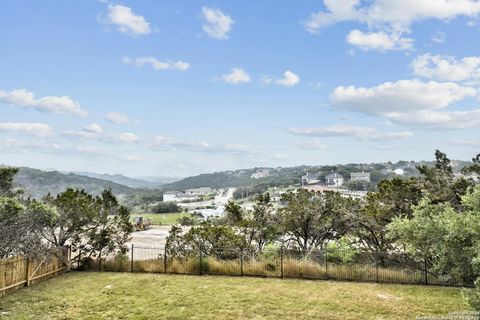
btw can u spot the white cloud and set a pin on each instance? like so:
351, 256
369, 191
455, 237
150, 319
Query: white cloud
31, 128
363, 133
447, 68
126, 21
93, 128
157, 64
117, 118
400, 97
236, 76
162, 143
54, 104
380, 41
126, 137
410, 103
216, 24
395, 14
289, 79
392, 16
310, 145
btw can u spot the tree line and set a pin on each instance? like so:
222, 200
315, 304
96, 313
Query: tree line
94, 225
434, 217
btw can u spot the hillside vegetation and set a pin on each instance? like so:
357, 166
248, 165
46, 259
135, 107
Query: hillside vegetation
38, 183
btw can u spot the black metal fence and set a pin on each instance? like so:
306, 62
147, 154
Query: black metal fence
280, 263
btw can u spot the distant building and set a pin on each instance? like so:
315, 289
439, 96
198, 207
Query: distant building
198, 191
171, 196
360, 176
310, 179
260, 174
334, 180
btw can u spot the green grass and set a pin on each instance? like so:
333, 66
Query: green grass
161, 218
88, 295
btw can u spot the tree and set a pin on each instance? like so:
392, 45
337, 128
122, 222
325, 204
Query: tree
91, 224
258, 225
6, 180
233, 212
440, 184
166, 207
448, 239
394, 198
207, 238
310, 218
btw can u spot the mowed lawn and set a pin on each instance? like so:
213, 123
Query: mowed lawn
90, 295
161, 218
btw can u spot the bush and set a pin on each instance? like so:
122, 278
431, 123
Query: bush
472, 296
166, 207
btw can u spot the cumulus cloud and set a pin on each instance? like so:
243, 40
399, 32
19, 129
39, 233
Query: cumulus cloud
216, 23
162, 143
93, 128
310, 145
380, 41
393, 16
396, 14
157, 64
289, 79
117, 118
236, 76
409, 102
362, 133
447, 68
55, 104
127, 21
126, 137
31, 128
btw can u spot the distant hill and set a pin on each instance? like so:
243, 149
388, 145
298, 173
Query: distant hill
292, 176
128, 181
38, 183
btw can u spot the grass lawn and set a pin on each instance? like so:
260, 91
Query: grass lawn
161, 218
89, 295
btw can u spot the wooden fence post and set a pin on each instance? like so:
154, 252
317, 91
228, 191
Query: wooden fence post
281, 261
426, 270
165, 259
131, 259
27, 272
69, 258
200, 260
325, 254
241, 262
100, 261
376, 266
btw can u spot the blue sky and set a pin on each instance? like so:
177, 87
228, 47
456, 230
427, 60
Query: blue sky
178, 88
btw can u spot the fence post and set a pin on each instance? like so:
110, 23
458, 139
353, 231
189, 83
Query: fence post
131, 259
326, 261
79, 258
376, 265
281, 261
165, 259
426, 270
200, 260
241, 262
100, 261
27, 272
69, 258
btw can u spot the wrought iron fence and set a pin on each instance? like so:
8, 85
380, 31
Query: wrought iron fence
323, 264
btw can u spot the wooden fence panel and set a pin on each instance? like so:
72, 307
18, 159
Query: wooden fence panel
16, 272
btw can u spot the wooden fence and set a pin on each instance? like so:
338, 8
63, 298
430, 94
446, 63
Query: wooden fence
20, 271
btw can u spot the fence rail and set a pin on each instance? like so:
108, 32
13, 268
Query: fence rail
320, 264
16, 272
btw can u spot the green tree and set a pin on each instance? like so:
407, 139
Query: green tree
7, 175
448, 239
310, 219
394, 198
